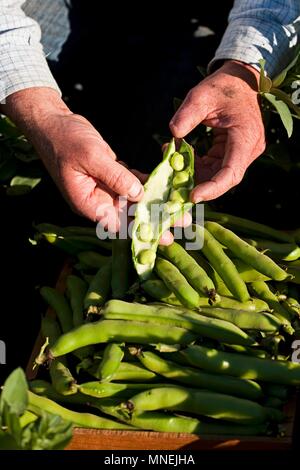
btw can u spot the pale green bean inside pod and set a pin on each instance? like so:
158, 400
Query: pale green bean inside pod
246, 252
159, 208
222, 264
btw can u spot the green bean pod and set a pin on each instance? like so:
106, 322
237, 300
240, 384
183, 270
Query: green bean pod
283, 251
72, 244
160, 206
294, 271
261, 290
121, 267
260, 321
246, 252
167, 422
157, 289
252, 305
195, 378
210, 404
239, 365
92, 259
98, 289
273, 402
127, 372
247, 273
104, 331
61, 377
188, 266
40, 405
50, 329
261, 353
111, 360
76, 289
177, 283
221, 287
176, 317
276, 390
248, 227
222, 264
57, 301
110, 389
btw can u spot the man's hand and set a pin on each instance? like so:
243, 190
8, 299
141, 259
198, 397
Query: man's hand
227, 101
81, 163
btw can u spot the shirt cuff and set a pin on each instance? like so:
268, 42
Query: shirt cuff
250, 40
24, 66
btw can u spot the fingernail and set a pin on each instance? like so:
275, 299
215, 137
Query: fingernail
135, 190
197, 199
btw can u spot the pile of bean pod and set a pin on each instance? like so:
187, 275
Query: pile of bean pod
203, 345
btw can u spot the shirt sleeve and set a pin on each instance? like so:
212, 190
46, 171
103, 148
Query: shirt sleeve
261, 29
22, 61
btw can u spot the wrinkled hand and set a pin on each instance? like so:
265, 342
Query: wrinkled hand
227, 101
81, 163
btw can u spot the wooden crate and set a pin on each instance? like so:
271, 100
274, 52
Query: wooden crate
94, 439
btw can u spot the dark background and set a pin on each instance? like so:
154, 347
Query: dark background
131, 63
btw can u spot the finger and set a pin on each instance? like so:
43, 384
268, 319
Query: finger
141, 176
166, 239
123, 163
192, 111
184, 221
117, 178
238, 151
93, 201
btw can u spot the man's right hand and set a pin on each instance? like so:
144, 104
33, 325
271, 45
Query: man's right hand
80, 162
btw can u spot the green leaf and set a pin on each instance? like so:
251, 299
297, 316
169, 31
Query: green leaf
21, 185
286, 99
283, 111
265, 83
202, 71
11, 422
26, 157
25, 181
279, 79
14, 393
8, 129
50, 432
7, 442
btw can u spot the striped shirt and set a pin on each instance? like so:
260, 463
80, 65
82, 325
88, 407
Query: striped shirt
257, 29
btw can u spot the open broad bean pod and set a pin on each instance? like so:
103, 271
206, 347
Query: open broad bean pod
166, 198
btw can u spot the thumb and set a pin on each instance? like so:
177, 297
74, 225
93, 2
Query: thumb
117, 178
192, 111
